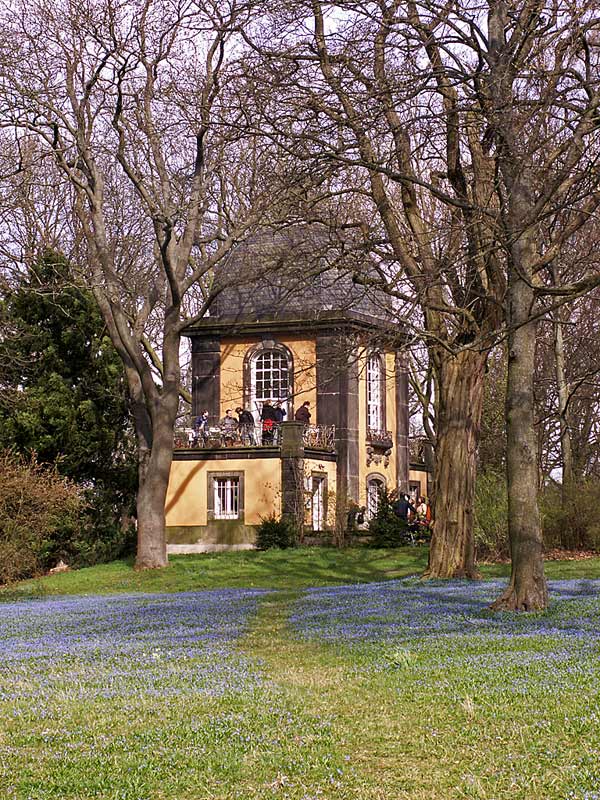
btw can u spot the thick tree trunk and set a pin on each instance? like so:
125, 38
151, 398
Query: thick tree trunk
151, 541
154, 469
527, 590
458, 418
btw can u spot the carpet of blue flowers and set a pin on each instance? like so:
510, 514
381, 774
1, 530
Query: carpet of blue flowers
449, 625
88, 647
511, 700
397, 689
409, 609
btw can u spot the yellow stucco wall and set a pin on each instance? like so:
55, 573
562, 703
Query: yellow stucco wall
188, 484
419, 476
328, 468
325, 467
362, 427
387, 472
305, 374
391, 422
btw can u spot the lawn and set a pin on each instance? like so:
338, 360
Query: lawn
262, 676
276, 569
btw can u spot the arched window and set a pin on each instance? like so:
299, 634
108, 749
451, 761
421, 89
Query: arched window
375, 488
375, 393
270, 376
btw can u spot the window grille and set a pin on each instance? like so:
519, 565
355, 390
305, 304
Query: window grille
374, 398
226, 498
375, 489
318, 503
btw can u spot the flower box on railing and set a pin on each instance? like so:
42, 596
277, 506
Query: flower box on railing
380, 439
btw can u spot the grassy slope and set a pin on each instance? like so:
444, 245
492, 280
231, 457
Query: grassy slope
275, 569
328, 723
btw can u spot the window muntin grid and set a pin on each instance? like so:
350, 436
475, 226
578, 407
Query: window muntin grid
270, 377
374, 399
226, 498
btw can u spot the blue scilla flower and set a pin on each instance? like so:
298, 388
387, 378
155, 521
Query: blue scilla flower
154, 645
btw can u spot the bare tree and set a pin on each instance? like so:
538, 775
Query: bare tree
376, 98
468, 130
568, 394
129, 105
540, 98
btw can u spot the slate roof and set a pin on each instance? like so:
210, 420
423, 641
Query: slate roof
298, 270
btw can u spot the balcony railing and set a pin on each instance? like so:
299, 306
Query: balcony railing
319, 437
420, 450
379, 437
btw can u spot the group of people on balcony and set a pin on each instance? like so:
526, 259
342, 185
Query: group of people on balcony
243, 429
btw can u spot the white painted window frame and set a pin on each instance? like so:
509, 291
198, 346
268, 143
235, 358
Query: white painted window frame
374, 398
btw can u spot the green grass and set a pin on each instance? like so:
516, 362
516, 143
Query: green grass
415, 719
274, 569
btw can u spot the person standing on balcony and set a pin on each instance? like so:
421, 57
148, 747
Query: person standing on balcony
200, 426
244, 416
303, 413
268, 418
229, 426
246, 423
280, 413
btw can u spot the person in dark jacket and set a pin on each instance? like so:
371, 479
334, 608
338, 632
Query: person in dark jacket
280, 412
402, 506
244, 416
246, 423
303, 414
201, 428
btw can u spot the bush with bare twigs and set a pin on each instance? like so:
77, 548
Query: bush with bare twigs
37, 506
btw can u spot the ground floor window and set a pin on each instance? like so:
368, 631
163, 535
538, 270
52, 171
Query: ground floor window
414, 490
227, 498
225, 495
318, 489
375, 488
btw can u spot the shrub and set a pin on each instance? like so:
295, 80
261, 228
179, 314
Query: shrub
101, 535
572, 522
491, 515
38, 508
385, 527
274, 532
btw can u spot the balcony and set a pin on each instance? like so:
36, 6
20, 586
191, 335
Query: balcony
379, 446
420, 451
380, 439
216, 436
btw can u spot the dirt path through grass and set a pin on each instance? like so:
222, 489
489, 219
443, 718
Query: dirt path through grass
401, 737
384, 740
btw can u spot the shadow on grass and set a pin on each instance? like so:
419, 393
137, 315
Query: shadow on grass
274, 569
292, 569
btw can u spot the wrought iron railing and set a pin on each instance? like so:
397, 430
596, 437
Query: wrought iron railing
379, 436
217, 435
419, 450
320, 437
